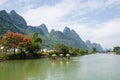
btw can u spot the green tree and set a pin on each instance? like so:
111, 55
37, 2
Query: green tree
60, 49
116, 49
83, 52
36, 42
94, 50
73, 51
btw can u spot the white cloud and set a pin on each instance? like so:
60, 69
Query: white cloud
106, 33
109, 32
51, 15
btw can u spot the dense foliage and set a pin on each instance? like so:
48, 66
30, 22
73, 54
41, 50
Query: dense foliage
22, 43
29, 47
63, 49
117, 50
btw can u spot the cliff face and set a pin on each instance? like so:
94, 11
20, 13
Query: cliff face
6, 23
18, 20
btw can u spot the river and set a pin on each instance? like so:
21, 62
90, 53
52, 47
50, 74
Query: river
88, 67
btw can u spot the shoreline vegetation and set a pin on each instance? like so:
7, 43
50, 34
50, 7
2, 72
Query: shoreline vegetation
19, 46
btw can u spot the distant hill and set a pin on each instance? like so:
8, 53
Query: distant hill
14, 22
94, 45
69, 37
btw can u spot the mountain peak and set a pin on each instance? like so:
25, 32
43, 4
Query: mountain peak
94, 45
57, 34
89, 44
17, 19
43, 25
98, 47
4, 15
3, 11
43, 28
88, 41
12, 11
66, 29
6, 23
52, 30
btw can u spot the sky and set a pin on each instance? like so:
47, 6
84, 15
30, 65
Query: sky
94, 20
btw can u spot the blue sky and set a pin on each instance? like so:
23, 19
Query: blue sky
96, 20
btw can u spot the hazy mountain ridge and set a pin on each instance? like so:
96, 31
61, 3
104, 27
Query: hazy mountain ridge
16, 23
94, 45
98, 47
69, 37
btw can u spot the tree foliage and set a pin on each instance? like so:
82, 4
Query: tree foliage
11, 40
36, 41
63, 49
15, 40
117, 50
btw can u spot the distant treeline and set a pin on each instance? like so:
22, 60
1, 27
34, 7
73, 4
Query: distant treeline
20, 46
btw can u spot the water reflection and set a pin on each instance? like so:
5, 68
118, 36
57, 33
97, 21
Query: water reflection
60, 63
90, 67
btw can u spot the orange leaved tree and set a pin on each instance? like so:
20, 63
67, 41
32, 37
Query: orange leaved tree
14, 40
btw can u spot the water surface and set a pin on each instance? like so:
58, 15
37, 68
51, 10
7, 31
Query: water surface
89, 67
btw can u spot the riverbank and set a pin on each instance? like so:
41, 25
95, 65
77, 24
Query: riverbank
39, 56
33, 56
51, 55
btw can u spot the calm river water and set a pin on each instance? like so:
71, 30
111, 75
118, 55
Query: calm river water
89, 67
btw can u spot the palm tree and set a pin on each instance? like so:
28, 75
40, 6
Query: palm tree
36, 41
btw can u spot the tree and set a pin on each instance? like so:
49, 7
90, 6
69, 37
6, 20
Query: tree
36, 41
14, 40
117, 50
94, 50
73, 51
61, 49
